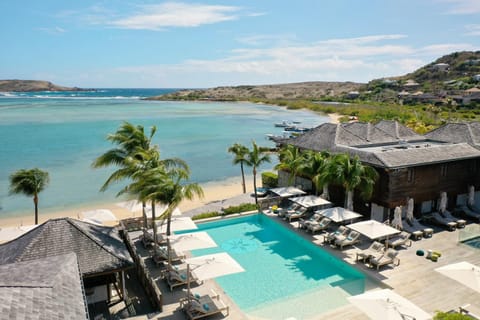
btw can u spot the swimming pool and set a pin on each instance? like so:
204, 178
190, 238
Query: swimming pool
473, 242
286, 275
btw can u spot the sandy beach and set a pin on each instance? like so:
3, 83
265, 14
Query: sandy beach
213, 191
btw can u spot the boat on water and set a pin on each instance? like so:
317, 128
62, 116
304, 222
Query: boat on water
286, 123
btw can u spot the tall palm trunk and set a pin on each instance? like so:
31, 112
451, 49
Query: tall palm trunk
169, 219
154, 224
255, 184
243, 178
35, 202
144, 215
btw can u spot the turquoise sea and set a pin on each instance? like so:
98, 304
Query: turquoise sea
62, 132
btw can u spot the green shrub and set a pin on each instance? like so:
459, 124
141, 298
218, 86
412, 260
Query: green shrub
205, 215
450, 316
240, 208
269, 179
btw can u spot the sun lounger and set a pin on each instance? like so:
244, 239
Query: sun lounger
177, 278
399, 240
161, 254
437, 218
413, 226
352, 238
469, 213
147, 239
297, 214
321, 225
204, 307
460, 222
315, 219
389, 257
373, 250
339, 234
283, 212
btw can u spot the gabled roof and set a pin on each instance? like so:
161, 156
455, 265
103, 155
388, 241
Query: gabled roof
457, 132
49, 288
99, 249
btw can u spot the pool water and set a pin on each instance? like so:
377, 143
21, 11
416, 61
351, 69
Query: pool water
473, 242
279, 266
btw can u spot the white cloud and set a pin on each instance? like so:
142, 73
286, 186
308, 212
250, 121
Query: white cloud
53, 30
462, 6
172, 14
473, 29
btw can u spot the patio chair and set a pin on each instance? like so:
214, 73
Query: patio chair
373, 250
321, 225
469, 213
315, 219
352, 238
147, 239
389, 257
204, 307
339, 234
161, 254
297, 214
399, 240
447, 215
438, 219
177, 278
283, 212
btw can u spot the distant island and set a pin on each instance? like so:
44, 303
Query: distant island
32, 85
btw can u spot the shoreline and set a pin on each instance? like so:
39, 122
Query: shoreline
213, 191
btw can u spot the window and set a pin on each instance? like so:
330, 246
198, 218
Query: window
411, 175
443, 170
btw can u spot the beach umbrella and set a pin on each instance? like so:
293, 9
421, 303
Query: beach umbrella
338, 214
397, 218
177, 224
213, 265
311, 201
471, 196
373, 229
387, 305
191, 241
98, 216
442, 207
286, 192
464, 272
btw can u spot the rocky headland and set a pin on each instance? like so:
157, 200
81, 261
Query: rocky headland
32, 85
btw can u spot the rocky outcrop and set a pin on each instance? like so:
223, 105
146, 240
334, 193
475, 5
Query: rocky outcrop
32, 85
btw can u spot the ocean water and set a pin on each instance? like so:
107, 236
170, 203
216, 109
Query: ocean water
63, 132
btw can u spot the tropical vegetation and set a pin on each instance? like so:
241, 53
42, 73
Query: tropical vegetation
29, 182
255, 158
239, 151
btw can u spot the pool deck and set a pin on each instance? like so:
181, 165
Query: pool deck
414, 278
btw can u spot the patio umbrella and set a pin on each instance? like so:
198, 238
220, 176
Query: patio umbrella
191, 241
311, 201
464, 272
471, 196
285, 192
213, 265
339, 214
177, 224
409, 213
373, 229
443, 202
98, 216
386, 304
397, 218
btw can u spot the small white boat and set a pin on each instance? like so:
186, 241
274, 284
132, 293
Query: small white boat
286, 123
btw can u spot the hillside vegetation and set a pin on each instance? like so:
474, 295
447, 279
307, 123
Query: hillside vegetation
31, 85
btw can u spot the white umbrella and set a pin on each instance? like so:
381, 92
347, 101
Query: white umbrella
311, 201
191, 241
397, 218
471, 196
177, 224
443, 202
285, 192
464, 272
409, 214
387, 305
373, 229
98, 216
339, 214
213, 265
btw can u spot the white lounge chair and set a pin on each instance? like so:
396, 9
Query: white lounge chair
339, 234
389, 257
352, 238
374, 249
321, 225
297, 214
161, 254
177, 278
399, 240
412, 225
204, 307
314, 219
437, 218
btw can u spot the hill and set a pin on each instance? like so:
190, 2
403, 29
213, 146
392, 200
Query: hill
289, 91
31, 85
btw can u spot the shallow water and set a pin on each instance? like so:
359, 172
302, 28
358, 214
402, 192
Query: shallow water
63, 132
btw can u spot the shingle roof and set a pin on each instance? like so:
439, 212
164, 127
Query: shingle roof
98, 248
457, 132
48, 288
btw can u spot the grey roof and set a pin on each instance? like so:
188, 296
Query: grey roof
457, 132
48, 288
388, 144
99, 249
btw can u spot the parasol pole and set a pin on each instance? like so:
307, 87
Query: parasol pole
188, 283
168, 253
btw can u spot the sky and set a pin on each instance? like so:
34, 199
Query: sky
200, 44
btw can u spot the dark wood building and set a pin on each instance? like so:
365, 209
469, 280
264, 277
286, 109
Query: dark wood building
409, 164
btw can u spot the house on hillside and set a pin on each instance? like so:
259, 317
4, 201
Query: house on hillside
442, 67
409, 164
101, 253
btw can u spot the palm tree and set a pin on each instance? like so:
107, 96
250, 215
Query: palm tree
254, 158
291, 160
240, 152
316, 167
351, 174
30, 183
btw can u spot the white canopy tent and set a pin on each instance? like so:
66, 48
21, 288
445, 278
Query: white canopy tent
286, 192
213, 265
464, 272
191, 241
311, 201
339, 214
373, 229
387, 305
